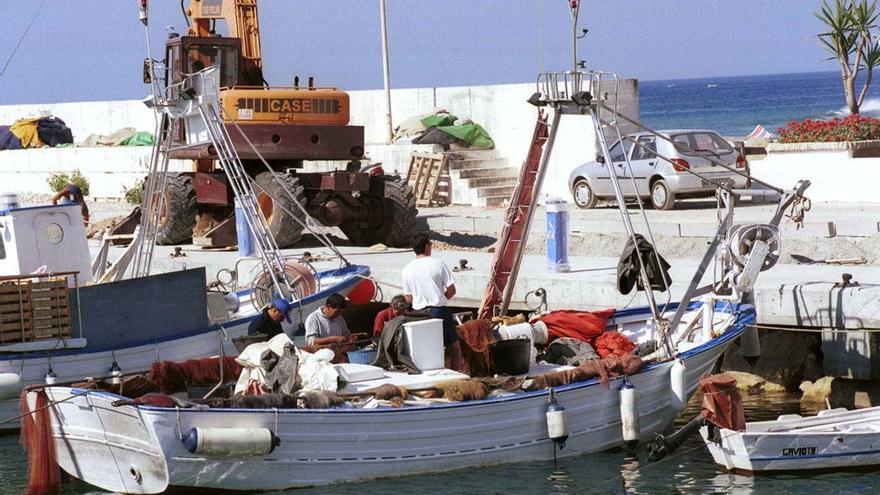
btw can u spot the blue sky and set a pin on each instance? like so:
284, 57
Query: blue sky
93, 49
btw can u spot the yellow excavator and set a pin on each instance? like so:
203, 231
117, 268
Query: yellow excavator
286, 126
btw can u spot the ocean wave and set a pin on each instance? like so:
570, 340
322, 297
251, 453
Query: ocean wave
870, 107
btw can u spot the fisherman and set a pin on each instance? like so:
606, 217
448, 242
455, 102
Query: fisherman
71, 193
269, 321
428, 285
325, 326
398, 307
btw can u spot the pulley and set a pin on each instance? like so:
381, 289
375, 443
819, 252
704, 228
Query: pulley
742, 238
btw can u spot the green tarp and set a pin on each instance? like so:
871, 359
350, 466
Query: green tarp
472, 134
439, 119
139, 139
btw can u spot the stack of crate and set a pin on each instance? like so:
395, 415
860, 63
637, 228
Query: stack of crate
34, 310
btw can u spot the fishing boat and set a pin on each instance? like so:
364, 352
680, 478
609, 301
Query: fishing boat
129, 445
58, 326
832, 439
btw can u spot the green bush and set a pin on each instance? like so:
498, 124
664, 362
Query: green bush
58, 181
134, 195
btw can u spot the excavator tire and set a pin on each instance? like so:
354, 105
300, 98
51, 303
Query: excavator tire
286, 230
399, 218
179, 208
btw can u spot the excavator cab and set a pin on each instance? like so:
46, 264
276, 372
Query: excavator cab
188, 54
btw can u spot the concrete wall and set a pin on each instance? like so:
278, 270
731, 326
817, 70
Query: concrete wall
501, 109
835, 176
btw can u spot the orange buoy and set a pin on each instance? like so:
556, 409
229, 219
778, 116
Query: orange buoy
363, 292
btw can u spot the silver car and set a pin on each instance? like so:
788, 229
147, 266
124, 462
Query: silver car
657, 179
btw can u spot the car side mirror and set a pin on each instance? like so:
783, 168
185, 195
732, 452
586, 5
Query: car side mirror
600, 158
148, 74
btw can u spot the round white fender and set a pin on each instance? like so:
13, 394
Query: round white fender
678, 394
10, 385
629, 413
557, 424
230, 442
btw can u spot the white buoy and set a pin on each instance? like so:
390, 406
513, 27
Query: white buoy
230, 442
750, 345
10, 385
51, 377
629, 413
678, 394
115, 373
557, 424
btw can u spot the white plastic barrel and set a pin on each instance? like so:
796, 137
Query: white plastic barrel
8, 201
230, 442
678, 393
424, 343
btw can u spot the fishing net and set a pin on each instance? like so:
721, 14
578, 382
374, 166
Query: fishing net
173, 377
44, 475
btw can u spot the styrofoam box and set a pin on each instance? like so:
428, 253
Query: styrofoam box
424, 343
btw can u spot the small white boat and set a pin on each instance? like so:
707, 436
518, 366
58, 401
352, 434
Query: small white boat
832, 439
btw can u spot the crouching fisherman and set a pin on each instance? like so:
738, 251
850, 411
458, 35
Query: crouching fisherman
269, 321
326, 328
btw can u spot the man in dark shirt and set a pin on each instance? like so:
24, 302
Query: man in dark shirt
269, 321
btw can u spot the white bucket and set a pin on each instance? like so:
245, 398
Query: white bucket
424, 343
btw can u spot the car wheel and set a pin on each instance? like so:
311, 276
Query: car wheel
662, 198
583, 194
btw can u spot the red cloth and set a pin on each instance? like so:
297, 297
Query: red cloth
722, 404
612, 344
382, 318
581, 325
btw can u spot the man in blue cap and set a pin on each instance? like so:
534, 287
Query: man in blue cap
269, 321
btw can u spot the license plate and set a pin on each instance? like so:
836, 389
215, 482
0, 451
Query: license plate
717, 182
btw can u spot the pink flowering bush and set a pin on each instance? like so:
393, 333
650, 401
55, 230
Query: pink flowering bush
852, 128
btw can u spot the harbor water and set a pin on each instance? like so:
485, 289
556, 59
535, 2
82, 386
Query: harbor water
689, 471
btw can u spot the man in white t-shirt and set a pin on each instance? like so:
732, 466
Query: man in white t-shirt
428, 285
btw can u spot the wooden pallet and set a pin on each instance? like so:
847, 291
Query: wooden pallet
428, 175
34, 310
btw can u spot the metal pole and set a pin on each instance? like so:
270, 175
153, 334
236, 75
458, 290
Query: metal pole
387, 71
575, 8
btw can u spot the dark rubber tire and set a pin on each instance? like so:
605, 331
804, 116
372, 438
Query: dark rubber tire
286, 230
179, 209
398, 223
583, 194
662, 198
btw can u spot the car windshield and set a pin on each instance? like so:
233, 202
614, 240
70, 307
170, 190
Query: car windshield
697, 143
617, 152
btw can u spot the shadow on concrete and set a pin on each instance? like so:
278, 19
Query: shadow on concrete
465, 240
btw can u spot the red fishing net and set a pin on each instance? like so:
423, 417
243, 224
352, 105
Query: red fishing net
44, 475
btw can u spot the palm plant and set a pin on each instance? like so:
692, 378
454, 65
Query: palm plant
852, 39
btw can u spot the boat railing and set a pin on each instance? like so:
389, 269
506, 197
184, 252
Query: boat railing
37, 307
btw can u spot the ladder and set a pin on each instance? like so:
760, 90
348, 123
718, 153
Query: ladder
567, 93
197, 106
517, 220
151, 203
